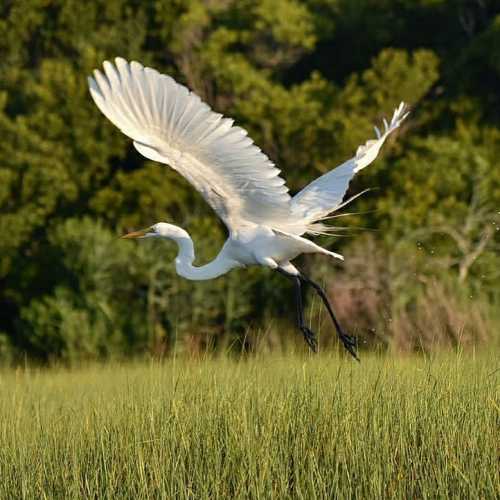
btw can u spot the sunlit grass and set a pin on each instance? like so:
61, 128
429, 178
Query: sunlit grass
308, 428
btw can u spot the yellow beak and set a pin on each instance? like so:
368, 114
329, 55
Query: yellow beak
136, 234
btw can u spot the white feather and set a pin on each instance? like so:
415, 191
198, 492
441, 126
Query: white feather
171, 125
325, 194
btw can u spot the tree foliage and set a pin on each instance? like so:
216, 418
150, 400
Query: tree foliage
308, 80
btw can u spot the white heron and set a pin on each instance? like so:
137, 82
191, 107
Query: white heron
170, 124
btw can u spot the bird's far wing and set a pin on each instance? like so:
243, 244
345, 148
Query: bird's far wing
171, 125
325, 194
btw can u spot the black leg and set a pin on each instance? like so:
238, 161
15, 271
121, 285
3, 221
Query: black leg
309, 336
348, 341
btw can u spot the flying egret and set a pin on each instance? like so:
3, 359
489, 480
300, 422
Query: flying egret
171, 125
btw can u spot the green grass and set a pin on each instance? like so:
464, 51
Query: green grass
302, 428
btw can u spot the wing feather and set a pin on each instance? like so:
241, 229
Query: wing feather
325, 194
172, 125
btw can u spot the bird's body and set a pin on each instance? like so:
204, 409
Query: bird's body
252, 245
171, 125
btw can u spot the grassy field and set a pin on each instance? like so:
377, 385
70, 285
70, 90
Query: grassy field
318, 427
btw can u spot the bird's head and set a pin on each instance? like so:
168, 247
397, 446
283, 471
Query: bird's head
159, 230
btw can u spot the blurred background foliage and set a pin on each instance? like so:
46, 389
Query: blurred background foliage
308, 80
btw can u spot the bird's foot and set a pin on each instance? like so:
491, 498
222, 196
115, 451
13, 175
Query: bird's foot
350, 343
310, 338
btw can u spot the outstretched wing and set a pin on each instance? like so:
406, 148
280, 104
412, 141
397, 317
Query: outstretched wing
325, 194
171, 125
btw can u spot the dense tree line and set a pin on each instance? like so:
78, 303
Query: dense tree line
308, 80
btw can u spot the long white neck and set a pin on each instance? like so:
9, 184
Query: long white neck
185, 258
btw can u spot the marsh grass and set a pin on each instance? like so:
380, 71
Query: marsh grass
318, 427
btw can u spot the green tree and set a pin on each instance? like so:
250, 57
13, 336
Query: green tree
308, 80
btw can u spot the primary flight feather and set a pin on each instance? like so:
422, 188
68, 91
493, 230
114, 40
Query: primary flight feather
171, 125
